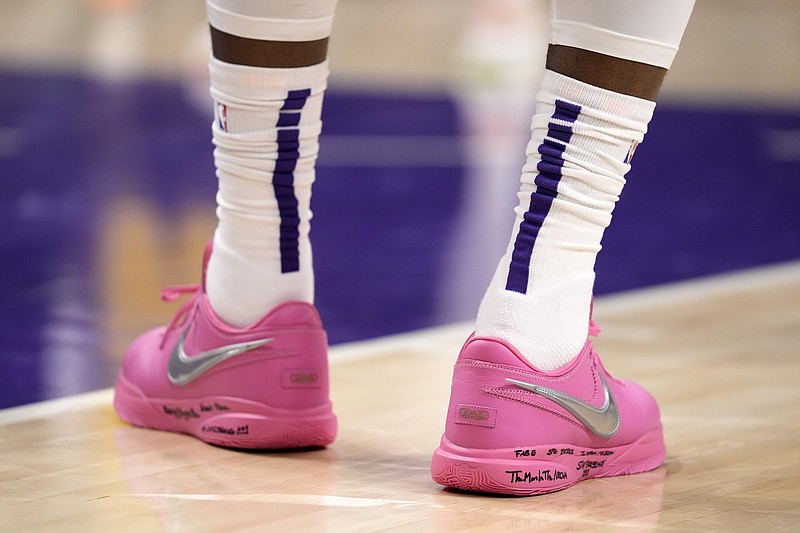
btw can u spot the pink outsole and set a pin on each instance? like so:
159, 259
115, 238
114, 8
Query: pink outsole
227, 422
515, 472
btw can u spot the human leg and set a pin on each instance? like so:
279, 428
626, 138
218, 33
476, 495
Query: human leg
268, 75
596, 105
244, 362
530, 350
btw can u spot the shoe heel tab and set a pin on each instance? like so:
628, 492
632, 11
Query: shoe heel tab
493, 350
293, 313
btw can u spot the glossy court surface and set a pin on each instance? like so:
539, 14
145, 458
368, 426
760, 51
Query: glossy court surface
71, 465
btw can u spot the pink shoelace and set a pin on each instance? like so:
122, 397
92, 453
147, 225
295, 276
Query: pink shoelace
172, 293
594, 329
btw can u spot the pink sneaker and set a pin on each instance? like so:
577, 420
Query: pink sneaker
512, 429
265, 386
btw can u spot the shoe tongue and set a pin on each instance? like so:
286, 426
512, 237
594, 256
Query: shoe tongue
206, 257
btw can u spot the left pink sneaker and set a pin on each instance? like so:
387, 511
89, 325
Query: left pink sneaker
513, 429
265, 386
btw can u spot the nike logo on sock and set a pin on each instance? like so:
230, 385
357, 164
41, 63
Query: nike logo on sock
602, 421
183, 369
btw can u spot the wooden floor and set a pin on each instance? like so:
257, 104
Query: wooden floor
722, 356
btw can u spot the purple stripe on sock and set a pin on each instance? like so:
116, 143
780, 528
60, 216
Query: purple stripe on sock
566, 111
296, 100
560, 132
288, 120
547, 180
283, 178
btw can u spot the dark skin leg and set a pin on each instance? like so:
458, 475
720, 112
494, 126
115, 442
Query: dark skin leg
607, 72
274, 54
612, 73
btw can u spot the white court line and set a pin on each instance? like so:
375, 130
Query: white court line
674, 294
48, 408
410, 341
683, 292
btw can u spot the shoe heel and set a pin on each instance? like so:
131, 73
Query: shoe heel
273, 431
492, 471
540, 469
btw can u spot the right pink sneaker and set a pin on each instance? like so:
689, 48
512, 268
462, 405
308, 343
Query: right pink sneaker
265, 386
513, 429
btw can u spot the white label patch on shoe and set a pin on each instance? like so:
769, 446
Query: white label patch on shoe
603, 421
183, 369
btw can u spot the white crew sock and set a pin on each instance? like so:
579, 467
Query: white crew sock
581, 143
266, 135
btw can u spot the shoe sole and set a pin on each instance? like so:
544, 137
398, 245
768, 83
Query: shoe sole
227, 421
541, 469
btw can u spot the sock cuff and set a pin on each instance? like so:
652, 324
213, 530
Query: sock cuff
623, 109
260, 83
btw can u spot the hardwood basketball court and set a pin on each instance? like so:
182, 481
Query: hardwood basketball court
721, 355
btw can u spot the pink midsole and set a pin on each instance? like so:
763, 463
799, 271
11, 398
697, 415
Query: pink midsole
541, 468
219, 418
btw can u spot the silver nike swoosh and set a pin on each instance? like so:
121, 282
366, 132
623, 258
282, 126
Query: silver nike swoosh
183, 369
602, 421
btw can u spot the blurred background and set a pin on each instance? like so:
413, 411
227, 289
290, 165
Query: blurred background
107, 183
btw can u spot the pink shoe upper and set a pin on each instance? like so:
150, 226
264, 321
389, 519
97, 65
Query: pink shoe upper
287, 368
487, 411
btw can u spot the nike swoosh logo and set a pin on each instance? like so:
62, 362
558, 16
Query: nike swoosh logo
183, 369
602, 421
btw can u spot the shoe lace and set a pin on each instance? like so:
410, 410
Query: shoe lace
172, 293
594, 329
